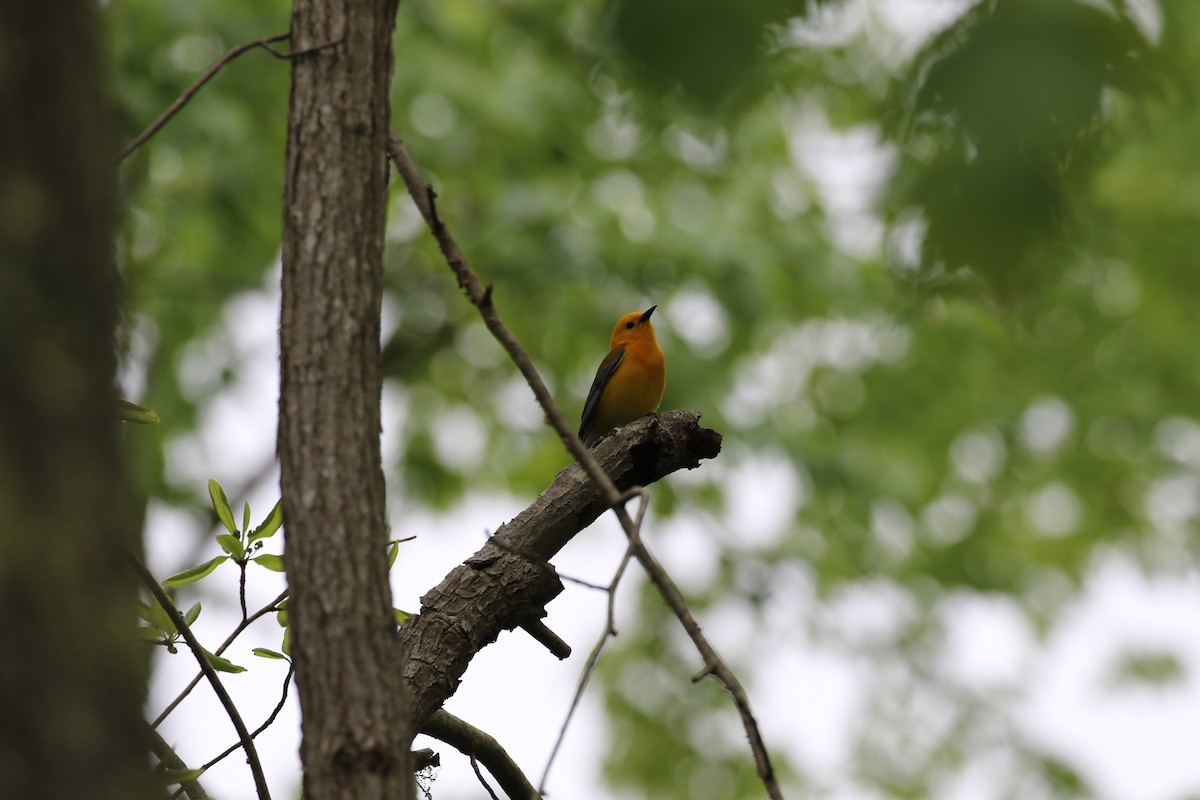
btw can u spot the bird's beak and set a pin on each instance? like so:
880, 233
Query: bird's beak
646, 314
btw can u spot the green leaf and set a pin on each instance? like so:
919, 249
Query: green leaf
192, 614
287, 641
171, 776
400, 615
231, 544
270, 524
161, 620
263, 652
143, 611
246, 518
195, 573
221, 505
222, 664
271, 562
131, 412
150, 634
394, 549
281, 616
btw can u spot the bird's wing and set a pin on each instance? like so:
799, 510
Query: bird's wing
607, 368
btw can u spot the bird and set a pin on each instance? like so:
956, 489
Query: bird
630, 381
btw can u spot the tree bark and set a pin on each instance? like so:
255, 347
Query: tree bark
73, 677
355, 725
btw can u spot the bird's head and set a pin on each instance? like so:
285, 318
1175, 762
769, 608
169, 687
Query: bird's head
634, 327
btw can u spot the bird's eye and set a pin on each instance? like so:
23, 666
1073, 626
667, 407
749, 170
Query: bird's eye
630, 325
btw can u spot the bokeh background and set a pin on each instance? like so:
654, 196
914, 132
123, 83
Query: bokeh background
930, 266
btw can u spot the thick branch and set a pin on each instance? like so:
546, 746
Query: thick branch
509, 580
470, 741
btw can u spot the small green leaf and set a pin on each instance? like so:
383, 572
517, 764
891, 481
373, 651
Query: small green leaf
246, 518
195, 573
143, 611
172, 776
161, 620
270, 524
393, 551
221, 505
281, 617
131, 412
222, 664
231, 544
192, 614
150, 634
400, 615
287, 641
263, 652
271, 562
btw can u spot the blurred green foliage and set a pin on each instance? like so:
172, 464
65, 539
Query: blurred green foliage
944, 281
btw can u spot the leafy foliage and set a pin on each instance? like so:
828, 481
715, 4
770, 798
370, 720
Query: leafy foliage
967, 374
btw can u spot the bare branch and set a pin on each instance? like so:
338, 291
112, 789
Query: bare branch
610, 630
190, 92
472, 742
269, 720
260, 781
424, 196
547, 638
267, 609
508, 581
537, 629
479, 775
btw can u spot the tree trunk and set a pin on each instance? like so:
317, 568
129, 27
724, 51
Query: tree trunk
356, 730
73, 677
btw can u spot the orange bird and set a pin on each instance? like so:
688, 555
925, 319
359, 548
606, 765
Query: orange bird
630, 381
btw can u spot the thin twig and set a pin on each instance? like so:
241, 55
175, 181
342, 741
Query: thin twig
242, 588
424, 197
478, 774
585, 584
267, 609
260, 781
610, 630
266, 724
183, 99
